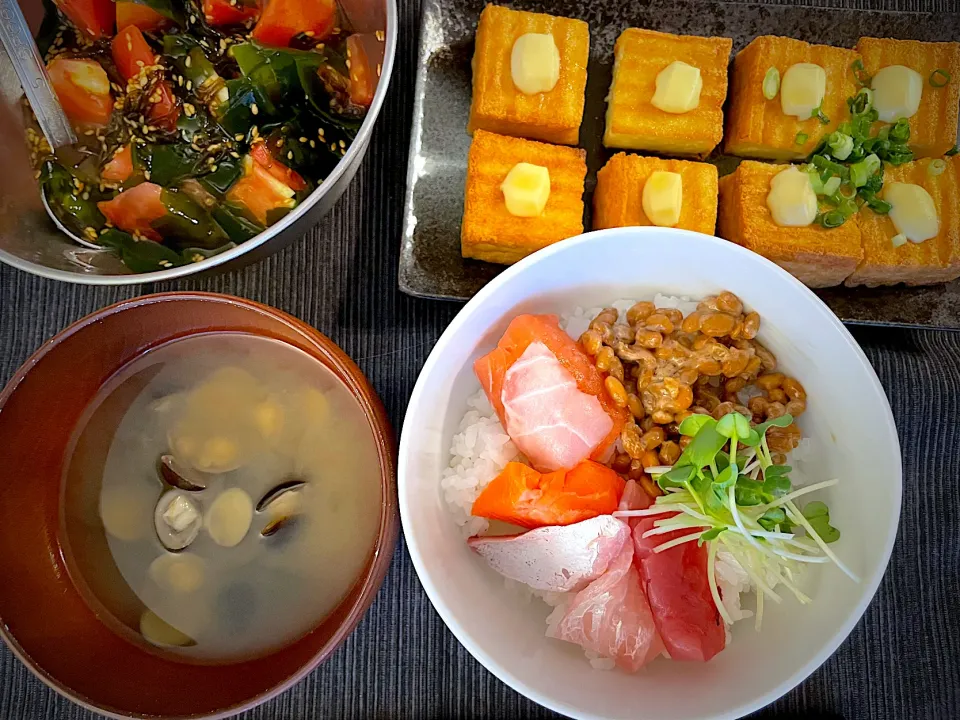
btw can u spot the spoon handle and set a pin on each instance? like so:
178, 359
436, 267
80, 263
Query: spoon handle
22, 51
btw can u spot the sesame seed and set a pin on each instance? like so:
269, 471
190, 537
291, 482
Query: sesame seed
180, 80
210, 161
146, 174
289, 154
348, 62
310, 33
343, 144
89, 132
320, 132
213, 167
193, 19
187, 62
333, 146
379, 35
204, 43
223, 45
254, 109
313, 144
189, 85
86, 196
379, 69
234, 154
140, 63
303, 139
238, 137
319, 46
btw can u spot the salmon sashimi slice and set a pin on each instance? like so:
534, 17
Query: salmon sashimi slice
545, 414
679, 592
556, 559
612, 617
491, 370
526, 497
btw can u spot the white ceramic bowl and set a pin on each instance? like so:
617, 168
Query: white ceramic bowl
848, 418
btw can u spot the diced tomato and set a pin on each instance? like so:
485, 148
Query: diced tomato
225, 12
131, 53
143, 16
263, 157
83, 88
523, 496
120, 167
93, 17
135, 210
363, 70
260, 192
281, 20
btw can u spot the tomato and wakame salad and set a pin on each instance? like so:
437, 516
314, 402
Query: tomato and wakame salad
200, 122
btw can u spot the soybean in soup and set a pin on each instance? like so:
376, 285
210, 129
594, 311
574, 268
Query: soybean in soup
221, 497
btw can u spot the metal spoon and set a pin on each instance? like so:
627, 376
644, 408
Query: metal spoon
27, 63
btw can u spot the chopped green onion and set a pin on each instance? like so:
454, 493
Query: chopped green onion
862, 102
900, 132
819, 114
847, 191
939, 78
771, 83
801, 138
815, 180
831, 219
952, 151
832, 185
828, 168
899, 240
881, 207
860, 172
936, 167
860, 73
841, 145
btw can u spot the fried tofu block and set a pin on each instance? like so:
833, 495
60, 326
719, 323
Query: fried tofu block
933, 130
757, 127
489, 232
498, 106
931, 261
617, 200
635, 124
816, 256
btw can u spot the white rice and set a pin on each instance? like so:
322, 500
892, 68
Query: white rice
481, 449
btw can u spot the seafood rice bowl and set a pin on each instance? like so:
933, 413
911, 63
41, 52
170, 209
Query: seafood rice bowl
644, 468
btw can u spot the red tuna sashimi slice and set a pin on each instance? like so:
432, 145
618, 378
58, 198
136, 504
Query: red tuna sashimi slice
679, 592
634, 497
612, 617
546, 415
491, 369
556, 558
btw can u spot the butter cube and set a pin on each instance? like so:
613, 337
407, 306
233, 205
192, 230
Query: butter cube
526, 190
663, 198
535, 63
678, 88
802, 90
792, 201
912, 211
896, 92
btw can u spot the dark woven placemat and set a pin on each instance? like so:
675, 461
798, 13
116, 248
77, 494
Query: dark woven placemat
901, 661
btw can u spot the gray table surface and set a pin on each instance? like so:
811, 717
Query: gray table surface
901, 661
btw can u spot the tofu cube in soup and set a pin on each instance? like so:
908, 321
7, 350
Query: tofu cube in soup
667, 92
924, 219
625, 195
520, 196
815, 82
529, 75
919, 81
776, 219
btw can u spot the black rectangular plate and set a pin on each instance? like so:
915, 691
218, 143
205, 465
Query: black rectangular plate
430, 262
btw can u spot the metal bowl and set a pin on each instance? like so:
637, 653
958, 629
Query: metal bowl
30, 241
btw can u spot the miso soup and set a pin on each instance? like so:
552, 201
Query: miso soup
221, 497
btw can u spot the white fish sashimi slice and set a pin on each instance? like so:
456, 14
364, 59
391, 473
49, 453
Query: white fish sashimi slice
546, 415
612, 617
556, 558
